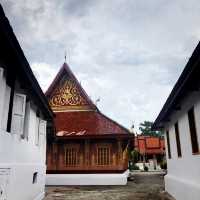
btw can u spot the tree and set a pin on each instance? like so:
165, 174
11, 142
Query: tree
133, 156
145, 129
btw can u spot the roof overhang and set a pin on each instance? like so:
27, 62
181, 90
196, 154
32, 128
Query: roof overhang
95, 136
22, 66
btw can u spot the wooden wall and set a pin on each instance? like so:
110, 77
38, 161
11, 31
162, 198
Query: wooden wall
86, 156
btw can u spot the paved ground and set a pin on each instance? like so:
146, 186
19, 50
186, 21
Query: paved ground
143, 187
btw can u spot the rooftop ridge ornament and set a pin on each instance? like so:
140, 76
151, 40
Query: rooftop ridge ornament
65, 56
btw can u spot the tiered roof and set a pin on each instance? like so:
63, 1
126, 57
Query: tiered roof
76, 116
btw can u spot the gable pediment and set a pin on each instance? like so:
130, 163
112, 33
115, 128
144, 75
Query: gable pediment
67, 94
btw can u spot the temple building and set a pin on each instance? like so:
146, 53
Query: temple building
88, 148
151, 150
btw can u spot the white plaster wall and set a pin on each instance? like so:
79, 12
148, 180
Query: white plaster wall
24, 158
87, 179
183, 178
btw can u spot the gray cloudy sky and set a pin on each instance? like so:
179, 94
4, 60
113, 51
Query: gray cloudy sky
127, 52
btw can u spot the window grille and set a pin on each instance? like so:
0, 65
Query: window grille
103, 156
71, 156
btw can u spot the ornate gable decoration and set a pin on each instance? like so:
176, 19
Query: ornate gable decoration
67, 96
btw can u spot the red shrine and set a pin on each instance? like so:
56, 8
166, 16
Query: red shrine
85, 140
150, 147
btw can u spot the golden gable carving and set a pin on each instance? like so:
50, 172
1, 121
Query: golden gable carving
67, 94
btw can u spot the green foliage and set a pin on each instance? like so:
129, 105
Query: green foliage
163, 165
146, 130
135, 167
134, 156
146, 169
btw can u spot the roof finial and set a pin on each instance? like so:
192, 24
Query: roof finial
97, 100
65, 56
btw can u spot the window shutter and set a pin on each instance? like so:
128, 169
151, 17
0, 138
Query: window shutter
26, 121
4, 100
1, 93
1, 72
37, 131
42, 131
18, 115
42, 127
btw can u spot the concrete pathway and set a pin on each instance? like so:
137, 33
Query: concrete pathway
143, 187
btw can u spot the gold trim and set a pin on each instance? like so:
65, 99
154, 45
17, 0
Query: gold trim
70, 107
57, 111
67, 93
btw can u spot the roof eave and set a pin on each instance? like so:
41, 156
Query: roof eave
24, 65
97, 136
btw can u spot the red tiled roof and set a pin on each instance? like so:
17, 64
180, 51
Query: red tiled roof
80, 117
149, 145
86, 123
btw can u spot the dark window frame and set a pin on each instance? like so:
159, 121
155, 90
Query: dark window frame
193, 131
10, 83
35, 178
168, 145
178, 142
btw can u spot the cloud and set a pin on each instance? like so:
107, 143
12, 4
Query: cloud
44, 74
129, 53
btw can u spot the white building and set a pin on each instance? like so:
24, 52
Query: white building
23, 115
180, 119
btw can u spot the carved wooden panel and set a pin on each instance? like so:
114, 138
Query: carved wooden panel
67, 95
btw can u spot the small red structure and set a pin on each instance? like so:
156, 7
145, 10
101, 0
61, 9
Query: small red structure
150, 147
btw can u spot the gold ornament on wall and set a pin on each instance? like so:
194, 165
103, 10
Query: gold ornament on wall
67, 94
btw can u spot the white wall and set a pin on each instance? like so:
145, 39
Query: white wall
23, 157
183, 178
87, 179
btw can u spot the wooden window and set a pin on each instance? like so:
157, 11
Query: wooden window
193, 132
37, 126
26, 121
168, 145
6, 102
54, 153
71, 156
2, 95
178, 144
11, 106
17, 125
37, 120
42, 131
103, 156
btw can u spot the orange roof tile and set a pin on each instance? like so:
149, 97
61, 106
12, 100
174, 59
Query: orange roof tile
149, 145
